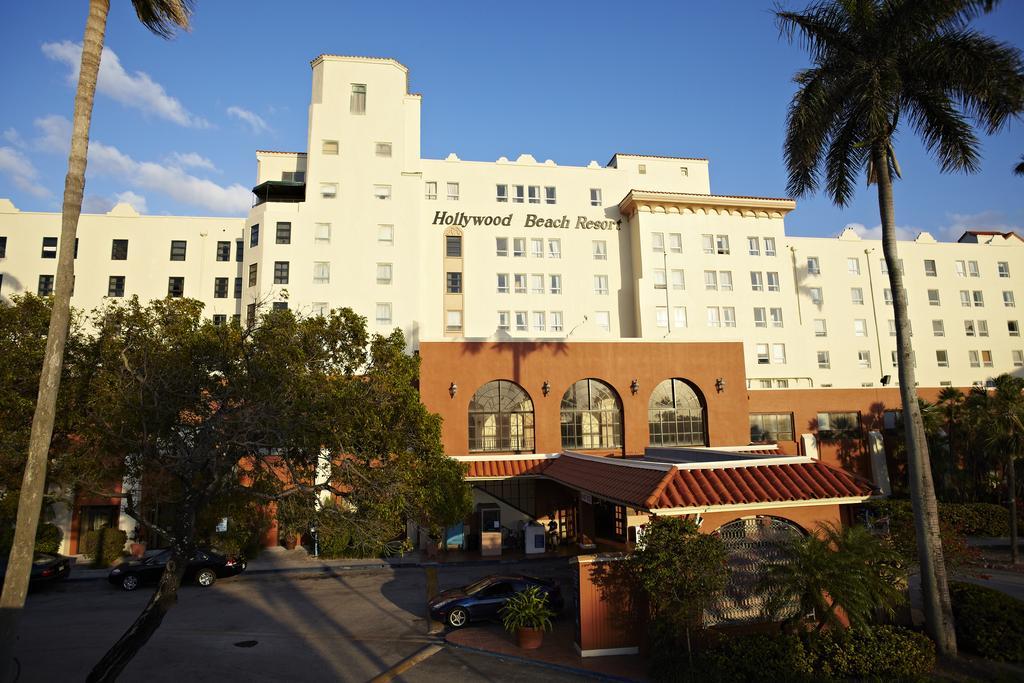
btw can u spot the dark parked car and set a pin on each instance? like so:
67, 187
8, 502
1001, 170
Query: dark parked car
205, 568
485, 598
46, 567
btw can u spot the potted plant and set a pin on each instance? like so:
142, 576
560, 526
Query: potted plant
291, 539
527, 614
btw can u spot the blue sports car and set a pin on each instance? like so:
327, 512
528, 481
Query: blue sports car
484, 599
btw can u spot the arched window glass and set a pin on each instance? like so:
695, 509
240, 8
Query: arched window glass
591, 416
675, 415
500, 419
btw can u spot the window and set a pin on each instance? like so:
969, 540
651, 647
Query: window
329, 147
965, 298
857, 296
220, 288
539, 321
1004, 269
887, 296
853, 266
823, 360
860, 328
773, 282
293, 176
603, 320
385, 272
518, 194
383, 192
1008, 299
453, 246
641, 169
521, 323
938, 328
501, 193
49, 247
675, 415
756, 281
820, 329
929, 267
3, 246
961, 268
813, 265
763, 357
978, 297
219, 319
239, 247
503, 320
175, 287
982, 328
519, 283
753, 246
600, 284
942, 358
119, 250
933, 297
554, 248
816, 296
769, 246
600, 250
728, 316
710, 279
839, 425
502, 283
178, 248
382, 149
549, 195
501, 246
986, 359
250, 314
1013, 328
383, 313
453, 321
284, 233
779, 353
661, 316
725, 280
1018, 358
974, 359
238, 288
430, 189
679, 317
776, 314
357, 102
892, 327
556, 321
595, 196
45, 285
328, 190
519, 247
675, 242
678, 279
708, 243
453, 192
760, 319
223, 251
453, 284
972, 269
500, 419
658, 242
533, 193
115, 286
722, 244
280, 306
252, 274
591, 416
555, 281
771, 427
322, 233
864, 359
254, 235
321, 272
537, 283
537, 248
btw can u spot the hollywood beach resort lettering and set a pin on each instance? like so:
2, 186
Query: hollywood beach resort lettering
531, 220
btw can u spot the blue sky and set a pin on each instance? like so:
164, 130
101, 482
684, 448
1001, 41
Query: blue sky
176, 125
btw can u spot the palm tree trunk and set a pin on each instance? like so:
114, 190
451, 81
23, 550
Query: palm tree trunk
937, 606
34, 480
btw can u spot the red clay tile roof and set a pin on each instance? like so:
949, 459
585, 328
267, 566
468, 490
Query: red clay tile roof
618, 482
505, 468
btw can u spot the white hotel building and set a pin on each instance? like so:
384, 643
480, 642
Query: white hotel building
631, 272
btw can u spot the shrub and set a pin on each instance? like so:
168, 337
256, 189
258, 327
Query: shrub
880, 653
105, 546
903, 537
334, 541
48, 538
977, 519
741, 659
988, 623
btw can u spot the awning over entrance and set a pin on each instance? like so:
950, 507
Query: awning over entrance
505, 466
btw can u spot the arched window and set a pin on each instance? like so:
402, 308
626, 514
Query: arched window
500, 418
675, 415
591, 416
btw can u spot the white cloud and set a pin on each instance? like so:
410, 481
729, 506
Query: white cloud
136, 89
14, 137
137, 201
984, 220
171, 180
255, 122
875, 233
21, 172
96, 204
55, 134
191, 160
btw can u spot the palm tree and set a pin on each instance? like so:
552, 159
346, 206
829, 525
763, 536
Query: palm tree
1019, 168
1005, 423
161, 17
877, 64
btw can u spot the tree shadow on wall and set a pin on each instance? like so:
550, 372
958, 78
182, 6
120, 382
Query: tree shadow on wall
620, 594
847, 439
521, 350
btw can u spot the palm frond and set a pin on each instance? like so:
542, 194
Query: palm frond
164, 17
944, 131
1019, 168
846, 157
820, 29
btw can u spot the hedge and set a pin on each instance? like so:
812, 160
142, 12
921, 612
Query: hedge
882, 653
104, 546
48, 538
988, 623
969, 519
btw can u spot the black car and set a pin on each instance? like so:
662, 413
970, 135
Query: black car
485, 598
205, 567
46, 567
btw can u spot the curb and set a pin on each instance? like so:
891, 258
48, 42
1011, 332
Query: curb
597, 675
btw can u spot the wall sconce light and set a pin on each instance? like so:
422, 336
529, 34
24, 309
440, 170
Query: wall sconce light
546, 387
453, 389
720, 385
634, 386
885, 380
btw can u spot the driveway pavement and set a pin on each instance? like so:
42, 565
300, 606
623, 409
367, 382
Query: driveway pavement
349, 626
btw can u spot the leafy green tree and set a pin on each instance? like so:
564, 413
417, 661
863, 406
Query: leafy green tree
877, 64
290, 411
1004, 420
161, 17
835, 569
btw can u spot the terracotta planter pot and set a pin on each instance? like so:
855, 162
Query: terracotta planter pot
138, 549
290, 541
529, 638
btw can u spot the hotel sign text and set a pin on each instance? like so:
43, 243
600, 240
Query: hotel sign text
531, 220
